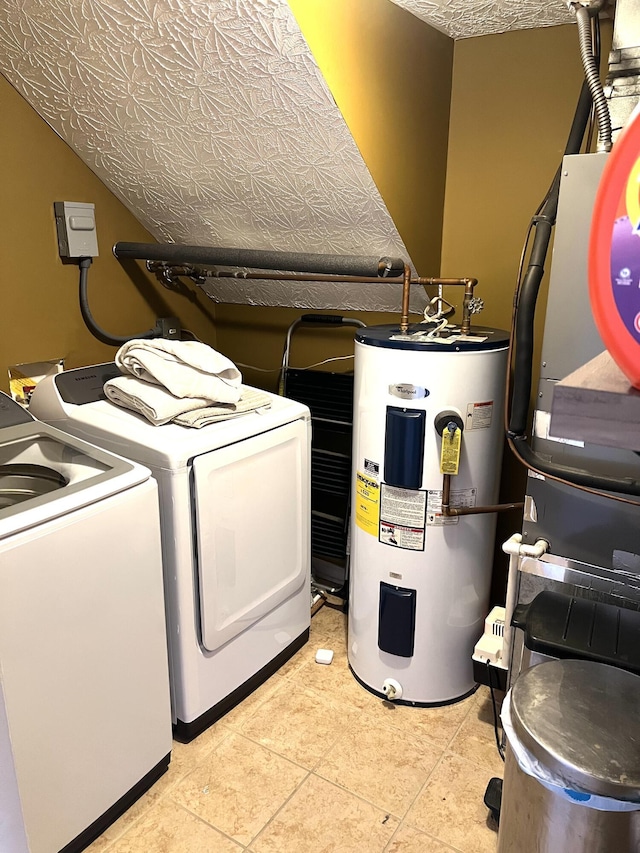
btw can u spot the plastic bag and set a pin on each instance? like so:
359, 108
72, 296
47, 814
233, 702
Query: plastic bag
553, 782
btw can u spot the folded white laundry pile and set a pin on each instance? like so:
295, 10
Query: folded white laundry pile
186, 382
152, 401
184, 368
251, 400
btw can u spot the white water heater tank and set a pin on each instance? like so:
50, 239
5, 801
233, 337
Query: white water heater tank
419, 581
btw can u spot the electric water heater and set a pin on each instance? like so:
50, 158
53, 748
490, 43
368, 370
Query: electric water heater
419, 580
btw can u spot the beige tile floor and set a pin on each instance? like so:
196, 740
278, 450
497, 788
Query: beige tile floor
313, 763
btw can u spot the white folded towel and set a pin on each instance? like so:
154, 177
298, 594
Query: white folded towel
160, 407
184, 368
152, 401
251, 400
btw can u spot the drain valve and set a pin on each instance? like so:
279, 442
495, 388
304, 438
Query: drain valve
392, 689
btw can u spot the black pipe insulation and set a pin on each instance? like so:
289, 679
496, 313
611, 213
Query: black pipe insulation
525, 309
524, 334
174, 253
94, 328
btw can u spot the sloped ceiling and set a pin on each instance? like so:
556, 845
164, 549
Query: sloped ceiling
466, 18
213, 124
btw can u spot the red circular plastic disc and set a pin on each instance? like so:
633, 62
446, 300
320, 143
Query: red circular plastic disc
614, 253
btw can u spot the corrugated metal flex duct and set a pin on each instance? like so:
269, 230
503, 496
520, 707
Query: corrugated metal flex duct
212, 122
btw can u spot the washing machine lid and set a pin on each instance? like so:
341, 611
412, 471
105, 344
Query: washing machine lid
74, 401
12, 413
45, 473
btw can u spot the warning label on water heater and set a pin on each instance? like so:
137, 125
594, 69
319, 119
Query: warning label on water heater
402, 517
367, 504
458, 497
372, 469
479, 415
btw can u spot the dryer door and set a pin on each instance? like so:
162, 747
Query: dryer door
252, 509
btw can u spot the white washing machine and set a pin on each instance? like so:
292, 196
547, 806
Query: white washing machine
85, 720
235, 518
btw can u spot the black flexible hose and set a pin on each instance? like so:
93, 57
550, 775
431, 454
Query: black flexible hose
580, 121
524, 322
96, 331
174, 253
528, 291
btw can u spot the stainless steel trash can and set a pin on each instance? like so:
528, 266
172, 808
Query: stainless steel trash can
572, 771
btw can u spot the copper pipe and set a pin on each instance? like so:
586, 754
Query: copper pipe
446, 494
468, 284
276, 276
446, 281
407, 281
466, 307
453, 511
478, 510
406, 284
293, 276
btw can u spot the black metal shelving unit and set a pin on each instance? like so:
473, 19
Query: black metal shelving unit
329, 396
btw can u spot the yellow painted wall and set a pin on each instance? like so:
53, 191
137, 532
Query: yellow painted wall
40, 312
513, 101
390, 75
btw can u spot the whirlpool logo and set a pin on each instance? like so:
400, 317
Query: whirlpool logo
406, 391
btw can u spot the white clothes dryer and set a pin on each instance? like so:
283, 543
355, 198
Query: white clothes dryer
85, 717
235, 518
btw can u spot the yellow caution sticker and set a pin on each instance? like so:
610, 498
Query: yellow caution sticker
450, 453
367, 504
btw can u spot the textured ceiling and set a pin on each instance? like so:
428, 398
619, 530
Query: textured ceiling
465, 18
212, 122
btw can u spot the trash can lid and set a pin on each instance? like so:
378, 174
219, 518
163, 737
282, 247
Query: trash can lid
581, 720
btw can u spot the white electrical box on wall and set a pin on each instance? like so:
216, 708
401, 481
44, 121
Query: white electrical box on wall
76, 227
